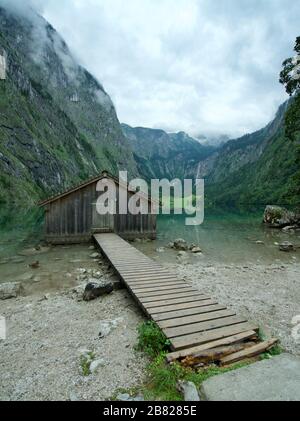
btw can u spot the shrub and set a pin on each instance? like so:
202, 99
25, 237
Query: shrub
151, 339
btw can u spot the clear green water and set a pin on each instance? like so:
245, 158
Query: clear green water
225, 237
230, 237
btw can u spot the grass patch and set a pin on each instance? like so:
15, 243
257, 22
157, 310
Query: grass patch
85, 363
163, 377
151, 339
275, 350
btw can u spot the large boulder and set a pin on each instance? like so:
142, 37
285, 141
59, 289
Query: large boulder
10, 290
96, 289
278, 217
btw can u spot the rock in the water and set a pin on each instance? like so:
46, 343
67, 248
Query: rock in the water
95, 364
160, 249
259, 242
170, 245
196, 250
189, 391
94, 290
278, 217
95, 256
10, 290
34, 265
180, 244
286, 246
290, 229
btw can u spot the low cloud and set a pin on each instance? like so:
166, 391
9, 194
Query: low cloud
196, 65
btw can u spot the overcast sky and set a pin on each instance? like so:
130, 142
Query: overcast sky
202, 66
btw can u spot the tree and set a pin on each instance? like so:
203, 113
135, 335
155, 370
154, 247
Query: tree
290, 74
290, 78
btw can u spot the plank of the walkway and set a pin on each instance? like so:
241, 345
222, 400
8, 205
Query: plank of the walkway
172, 356
157, 284
133, 267
148, 272
166, 296
155, 279
211, 335
166, 289
186, 320
166, 303
145, 277
249, 352
175, 307
152, 291
169, 315
173, 332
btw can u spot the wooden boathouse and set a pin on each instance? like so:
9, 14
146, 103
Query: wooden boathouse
71, 217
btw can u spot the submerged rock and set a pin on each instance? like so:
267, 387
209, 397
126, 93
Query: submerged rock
290, 229
180, 244
196, 250
278, 217
95, 256
94, 290
10, 290
286, 246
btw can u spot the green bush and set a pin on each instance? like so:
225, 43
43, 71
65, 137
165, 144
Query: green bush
151, 339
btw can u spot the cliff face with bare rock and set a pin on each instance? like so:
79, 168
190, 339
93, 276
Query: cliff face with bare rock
57, 124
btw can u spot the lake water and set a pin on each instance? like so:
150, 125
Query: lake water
228, 237
224, 237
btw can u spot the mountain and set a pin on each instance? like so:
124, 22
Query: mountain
212, 140
256, 168
57, 124
159, 154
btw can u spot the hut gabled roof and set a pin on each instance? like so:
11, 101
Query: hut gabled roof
103, 175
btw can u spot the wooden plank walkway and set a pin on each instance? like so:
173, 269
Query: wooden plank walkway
189, 319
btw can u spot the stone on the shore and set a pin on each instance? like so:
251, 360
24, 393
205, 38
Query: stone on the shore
180, 244
189, 391
274, 379
10, 290
123, 397
126, 397
106, 326
286, 246
97, 289
73, 397
278, 217
95, 364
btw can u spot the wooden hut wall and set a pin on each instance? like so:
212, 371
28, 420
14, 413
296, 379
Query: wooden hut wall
70, 219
